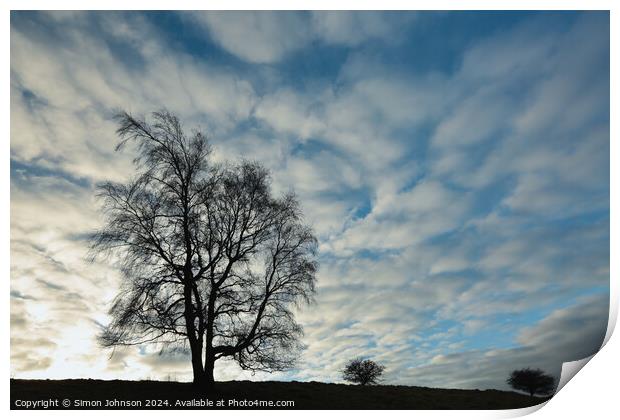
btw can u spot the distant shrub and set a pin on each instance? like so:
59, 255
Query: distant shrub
363, 372
533, 381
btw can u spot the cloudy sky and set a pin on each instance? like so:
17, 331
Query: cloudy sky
455, 167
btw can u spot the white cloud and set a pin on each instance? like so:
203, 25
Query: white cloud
269, 36
62, 96
475, 119
286, 113
399, 220
351, 28
259, 37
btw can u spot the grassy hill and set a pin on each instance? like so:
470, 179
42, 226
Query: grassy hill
95, 394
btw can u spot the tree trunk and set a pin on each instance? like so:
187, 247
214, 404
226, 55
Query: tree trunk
195, 343
209, 354
197, 369
209, 380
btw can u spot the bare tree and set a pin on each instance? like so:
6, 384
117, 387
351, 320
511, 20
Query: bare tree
363, 372
533, 381
211, 261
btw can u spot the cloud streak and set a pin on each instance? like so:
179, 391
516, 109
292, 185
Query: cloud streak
268, 37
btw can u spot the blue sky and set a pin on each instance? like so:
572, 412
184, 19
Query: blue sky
454, 165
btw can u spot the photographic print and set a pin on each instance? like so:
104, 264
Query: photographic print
306, 209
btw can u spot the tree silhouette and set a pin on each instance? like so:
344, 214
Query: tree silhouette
363, 372
533, 381
211, 261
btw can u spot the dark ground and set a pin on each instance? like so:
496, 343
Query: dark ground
306, 395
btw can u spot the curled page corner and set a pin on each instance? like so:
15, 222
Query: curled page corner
613, 313
519, 412
570, 369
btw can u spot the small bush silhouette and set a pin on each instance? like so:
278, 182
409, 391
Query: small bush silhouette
363, 372
533, 381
